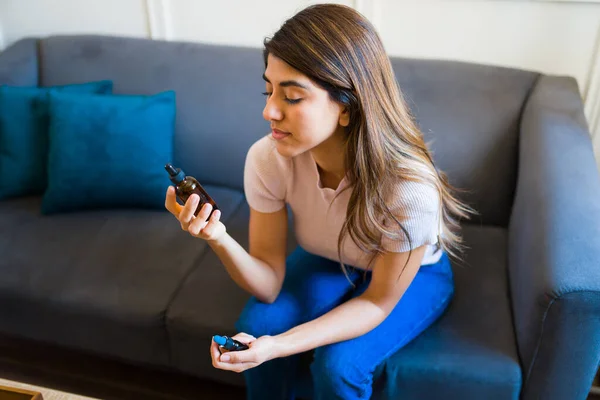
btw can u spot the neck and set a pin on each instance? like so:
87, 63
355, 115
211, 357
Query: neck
330, 156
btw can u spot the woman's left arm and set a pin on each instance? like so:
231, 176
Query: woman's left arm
360, 314
390, 279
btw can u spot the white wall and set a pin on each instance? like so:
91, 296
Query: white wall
1, 37
556, 37
216, 22
20, 18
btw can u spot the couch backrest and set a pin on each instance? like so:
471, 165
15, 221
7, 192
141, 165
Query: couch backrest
470, 112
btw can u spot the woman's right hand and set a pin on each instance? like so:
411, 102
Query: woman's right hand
197, 226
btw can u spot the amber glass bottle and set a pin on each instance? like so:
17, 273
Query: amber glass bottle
185, 186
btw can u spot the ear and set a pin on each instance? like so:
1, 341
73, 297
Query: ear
344, 119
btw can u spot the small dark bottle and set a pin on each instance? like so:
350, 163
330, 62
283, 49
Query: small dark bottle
229, 343
185, 186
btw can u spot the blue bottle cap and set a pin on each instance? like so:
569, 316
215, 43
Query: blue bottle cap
220, 340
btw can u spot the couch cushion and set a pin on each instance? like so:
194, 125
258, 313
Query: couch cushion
208, 304
469, 353
99, 281
24, 114
108, 151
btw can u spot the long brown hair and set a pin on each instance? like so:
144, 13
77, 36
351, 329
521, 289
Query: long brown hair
339, 50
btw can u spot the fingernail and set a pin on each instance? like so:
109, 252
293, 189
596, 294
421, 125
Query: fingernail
224, 357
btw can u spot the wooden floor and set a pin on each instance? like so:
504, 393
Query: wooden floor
206, 391
71, 372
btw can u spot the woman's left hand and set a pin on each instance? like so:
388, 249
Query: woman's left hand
260, 350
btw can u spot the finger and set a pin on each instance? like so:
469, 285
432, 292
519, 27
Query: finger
239, 357
205, 212
171, 202
244, 338
236, 367
215, 355
211, 225
199, 223
215, 352
187, 214
216, 216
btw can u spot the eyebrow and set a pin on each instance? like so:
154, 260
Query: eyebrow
288, 83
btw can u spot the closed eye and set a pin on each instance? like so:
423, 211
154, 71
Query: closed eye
290, 101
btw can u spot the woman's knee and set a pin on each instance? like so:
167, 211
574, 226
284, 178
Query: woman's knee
338, 373
259, 319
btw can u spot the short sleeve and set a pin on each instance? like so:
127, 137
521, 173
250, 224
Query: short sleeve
417, 207
264, 177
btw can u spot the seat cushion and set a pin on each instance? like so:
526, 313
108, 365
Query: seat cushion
99, 281
470, 353
208, 304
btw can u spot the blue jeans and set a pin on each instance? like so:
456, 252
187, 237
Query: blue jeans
313, 286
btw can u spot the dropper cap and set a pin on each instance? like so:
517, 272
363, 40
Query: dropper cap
175, 174
220, 340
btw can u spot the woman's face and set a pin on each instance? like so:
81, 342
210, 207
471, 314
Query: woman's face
302, 115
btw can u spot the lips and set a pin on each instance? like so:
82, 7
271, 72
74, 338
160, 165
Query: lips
277, 134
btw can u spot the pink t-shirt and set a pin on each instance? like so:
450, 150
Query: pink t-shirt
271, 181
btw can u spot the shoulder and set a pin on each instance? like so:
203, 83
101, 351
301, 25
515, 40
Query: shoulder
263, 154
264, 164
408, 197
417, 207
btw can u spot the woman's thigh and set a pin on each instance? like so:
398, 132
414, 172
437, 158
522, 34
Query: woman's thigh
313, 285
423, 303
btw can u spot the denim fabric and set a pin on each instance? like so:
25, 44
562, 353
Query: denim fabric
313, 286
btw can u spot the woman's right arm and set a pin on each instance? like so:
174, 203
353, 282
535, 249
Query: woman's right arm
261, 270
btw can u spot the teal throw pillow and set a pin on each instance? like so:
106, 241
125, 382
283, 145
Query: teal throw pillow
108, 151
24, 135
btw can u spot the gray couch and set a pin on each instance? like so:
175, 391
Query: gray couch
130, 286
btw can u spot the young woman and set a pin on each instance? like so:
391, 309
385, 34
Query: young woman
375, 220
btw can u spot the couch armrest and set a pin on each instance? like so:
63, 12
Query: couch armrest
19, 64
554, 245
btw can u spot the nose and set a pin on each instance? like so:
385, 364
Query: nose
272, 112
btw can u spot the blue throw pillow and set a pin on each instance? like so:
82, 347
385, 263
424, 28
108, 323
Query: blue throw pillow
108, 151
24, 135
